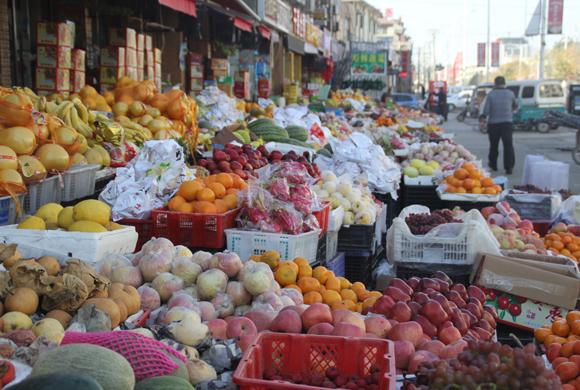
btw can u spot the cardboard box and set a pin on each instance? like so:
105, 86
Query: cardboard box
157, 54
53, 79
148, 42
126, 37
149, 73
149, 58
196, 84
130, 57
140, 59
48, 56
140, 42
113, 57
242, 85
140, 74
158, 72
131, 72
110, 74
77, 80
220, 64
79, 59
58, 34
529, 279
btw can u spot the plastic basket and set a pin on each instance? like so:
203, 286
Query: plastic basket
331, 245
78, 182
422, 195
322, 217
335, 219
356, 238
393, 206
321, 249
143, 227
193, 230
8, 210
248, 243
358, 266
336, 264
46, 191
309, 354
535, 207
90, 247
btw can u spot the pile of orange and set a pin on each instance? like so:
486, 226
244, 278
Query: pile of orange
320, 285
214, 194
564, 243
561, 330
468, 179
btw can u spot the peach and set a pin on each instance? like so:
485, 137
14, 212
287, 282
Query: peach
240, 326
378, 326
287, 321
323, 328
315, 314
217, 328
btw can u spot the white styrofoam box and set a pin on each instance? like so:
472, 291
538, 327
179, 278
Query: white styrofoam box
335, 219
90, 247
248, 243
419, 180
468, 197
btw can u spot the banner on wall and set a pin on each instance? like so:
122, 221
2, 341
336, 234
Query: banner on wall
555, 16
495, 54
481, 54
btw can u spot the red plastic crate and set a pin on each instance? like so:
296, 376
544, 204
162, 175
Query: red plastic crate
322, 217
308, 354
143, 227
542, 227
193, 230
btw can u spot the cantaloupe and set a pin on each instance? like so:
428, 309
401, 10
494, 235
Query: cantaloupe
164, 382
54, 157
20, 139
111, 370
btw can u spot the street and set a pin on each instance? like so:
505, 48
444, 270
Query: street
525, 143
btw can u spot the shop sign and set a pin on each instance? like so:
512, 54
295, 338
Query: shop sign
555, 16
481, 53
284, 16
368, 59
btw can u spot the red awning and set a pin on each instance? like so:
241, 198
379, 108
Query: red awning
265, 31
185, 6
243, 24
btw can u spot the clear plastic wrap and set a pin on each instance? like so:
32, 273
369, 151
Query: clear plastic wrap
570, 211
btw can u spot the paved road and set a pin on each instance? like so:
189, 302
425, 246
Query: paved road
525, 143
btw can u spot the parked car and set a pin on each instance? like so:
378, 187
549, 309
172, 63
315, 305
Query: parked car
406, 100
458, 100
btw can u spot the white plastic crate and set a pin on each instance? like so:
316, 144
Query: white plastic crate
46, 191
335, 219
248, 243
452, 243
90, 247
8, 209
331, 245
78, 182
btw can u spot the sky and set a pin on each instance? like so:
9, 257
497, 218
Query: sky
459, 24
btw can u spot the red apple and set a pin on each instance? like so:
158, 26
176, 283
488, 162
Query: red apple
244, 342
414, 282
348, 317
401, 312
261, 319
401, 285
298, 308
460, 288
287, 321
476, 292
403, 351
456, 298
434, 312
347, 330
491, 310
440, 275
474, 309
421, 298
433, 346
449, 335
377, 325
410, 331
219, 155
315, 314
217, 328
396, 294
472, 319
430, 283
489, 318
240, 326
453, 350
484, 334
323, 329
485, 325
459, 321
383, 305
428, 328
415, 307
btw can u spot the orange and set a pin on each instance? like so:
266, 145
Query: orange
185, 208
207, 208
477, 190
475, 174
375, 294
231, 201
243, 185
304, 270
567, 240
468, 184
312, 297
189, 189
362, 294
285, 276
175, 202
218, 189
497, 188
225, 179
476, 183
232, 191
456, 182
461, 173
369, 302
344, 282
489, 191
565, 252
461, 190
572, 316
321, 289
330, 296
575, 327
205, 194
359, 307
550, 339
220, 206
308, 284
210, 179
487, 182
567, 350
320, 273
348, 305
470, 167
238, 182
558, 245
300, 261
295, 287
451, 189
348, 294
542, 333
332, 283
560, 327
290, 265
358, 286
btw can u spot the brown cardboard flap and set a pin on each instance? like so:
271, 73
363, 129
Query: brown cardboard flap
519, 278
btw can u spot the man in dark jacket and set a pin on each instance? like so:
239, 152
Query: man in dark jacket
442, 108
500, 104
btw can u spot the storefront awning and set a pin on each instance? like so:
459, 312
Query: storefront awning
265, 31
243, 24
233, 8
294, 44
310, 49
185, 6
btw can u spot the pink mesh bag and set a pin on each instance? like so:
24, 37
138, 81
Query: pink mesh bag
148, 357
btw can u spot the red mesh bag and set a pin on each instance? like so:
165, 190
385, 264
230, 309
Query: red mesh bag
148, 357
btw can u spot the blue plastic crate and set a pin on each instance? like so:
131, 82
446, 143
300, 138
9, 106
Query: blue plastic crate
336, 264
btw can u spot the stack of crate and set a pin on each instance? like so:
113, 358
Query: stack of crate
54, 46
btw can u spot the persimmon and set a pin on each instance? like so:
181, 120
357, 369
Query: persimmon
560, 327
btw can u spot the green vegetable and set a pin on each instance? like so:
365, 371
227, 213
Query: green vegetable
164, 383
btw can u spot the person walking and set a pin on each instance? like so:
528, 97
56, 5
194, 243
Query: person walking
500, 104
442, 108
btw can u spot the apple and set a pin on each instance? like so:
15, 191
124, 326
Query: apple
401, 285
420, 357
430, 283
241, 326
460, 288
449, 335
397, 294
477, 293
442, 276
403, 351
349, 317
453, 350
486, 316
421, 298
472, 319
455, 297
217, 328
414, 282
474, 309
428, 328
434, 312
323, 329
434, 346
410, 331
244, 342
383, 305
287, 321
261, 319
415, 307
297, 308
378, 326
459, 321
315, 314
484, 334
401, 312
347, 330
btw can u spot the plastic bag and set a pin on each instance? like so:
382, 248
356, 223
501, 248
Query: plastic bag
570, 211
15, 109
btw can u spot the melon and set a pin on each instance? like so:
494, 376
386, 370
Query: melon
10, 176
92, 210
94, 157
58, 381
87, 227
65, 136
20, 139
7, 158
54, 157
104, 154
31, 169
111, 370
65, 217
78, 159
164, 382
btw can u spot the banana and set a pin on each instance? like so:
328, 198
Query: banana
51, 107
92, 117
82, 110
79, 125
63, 109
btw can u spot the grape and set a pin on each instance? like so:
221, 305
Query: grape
424, 223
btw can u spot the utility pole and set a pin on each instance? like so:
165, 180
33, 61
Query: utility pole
542, 37
488, 44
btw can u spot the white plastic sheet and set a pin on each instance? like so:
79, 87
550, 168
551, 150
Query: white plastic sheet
570, 211
218, 108
546, 174
148, 181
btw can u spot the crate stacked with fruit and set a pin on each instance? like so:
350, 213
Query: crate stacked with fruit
564, 240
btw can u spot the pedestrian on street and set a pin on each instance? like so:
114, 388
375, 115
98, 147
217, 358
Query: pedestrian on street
500, 104
442, 108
